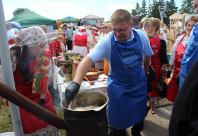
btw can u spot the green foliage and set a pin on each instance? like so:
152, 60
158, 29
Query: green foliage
137, 11
187, 7
143, 9
154, 10
170, 10
18, 11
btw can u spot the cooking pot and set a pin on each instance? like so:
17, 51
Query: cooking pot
80, 123
90, 122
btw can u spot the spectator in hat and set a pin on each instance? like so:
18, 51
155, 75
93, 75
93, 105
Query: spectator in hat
94, 37
13, 28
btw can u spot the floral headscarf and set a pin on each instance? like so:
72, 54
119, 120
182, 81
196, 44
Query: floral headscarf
31, 37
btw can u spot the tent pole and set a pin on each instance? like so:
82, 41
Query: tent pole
8, 74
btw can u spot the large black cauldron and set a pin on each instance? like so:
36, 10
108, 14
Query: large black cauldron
87, 123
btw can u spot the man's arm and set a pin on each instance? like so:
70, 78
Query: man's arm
146, 63
82, 69
74, 87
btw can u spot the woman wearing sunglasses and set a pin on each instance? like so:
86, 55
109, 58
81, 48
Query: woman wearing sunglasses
159, 58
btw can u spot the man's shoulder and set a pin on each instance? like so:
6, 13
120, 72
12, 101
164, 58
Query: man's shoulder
68, 30
139, 31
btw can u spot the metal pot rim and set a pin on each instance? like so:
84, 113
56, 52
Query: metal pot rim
97, 109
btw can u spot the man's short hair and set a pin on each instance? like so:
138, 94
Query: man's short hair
135, 21
121, 15
64, 25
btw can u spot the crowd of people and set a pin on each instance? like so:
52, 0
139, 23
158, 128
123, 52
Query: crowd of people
128, 48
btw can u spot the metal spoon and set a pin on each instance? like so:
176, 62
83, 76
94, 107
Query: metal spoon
91, 83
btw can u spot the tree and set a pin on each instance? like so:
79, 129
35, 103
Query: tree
143, 9
149, 9
187, 6
155, 9
137, 11
19, 10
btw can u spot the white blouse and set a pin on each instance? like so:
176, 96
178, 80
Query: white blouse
184, 43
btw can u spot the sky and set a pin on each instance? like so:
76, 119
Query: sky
58, 9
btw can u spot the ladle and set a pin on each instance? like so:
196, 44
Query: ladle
91, 83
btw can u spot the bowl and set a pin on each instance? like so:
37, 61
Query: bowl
92, 74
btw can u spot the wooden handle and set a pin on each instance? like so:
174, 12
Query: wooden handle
87, 79
30, 106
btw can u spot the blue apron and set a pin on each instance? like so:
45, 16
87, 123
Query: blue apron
190, 55
127, 86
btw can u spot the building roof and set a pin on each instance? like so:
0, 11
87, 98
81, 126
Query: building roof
91, 16
178, 16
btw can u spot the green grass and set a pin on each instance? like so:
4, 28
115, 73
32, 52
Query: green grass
61, 115
6, 123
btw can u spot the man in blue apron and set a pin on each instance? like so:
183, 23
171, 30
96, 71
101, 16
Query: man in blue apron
191, 52
127, 52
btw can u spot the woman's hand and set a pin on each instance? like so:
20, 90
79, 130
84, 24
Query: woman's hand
163, 68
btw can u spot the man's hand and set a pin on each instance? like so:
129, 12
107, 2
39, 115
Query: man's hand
71, 91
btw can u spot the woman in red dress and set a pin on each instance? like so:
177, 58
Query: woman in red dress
176, 57
31, 66
159, 58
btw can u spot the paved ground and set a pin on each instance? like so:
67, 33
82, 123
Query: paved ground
157, 124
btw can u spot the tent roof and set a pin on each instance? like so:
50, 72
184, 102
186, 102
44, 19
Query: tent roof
177, 16
69, 17
29, 18
70, 20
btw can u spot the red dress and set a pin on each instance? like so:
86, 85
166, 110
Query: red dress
53, 46
30, 122
155, 63
80, 40
173, 89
